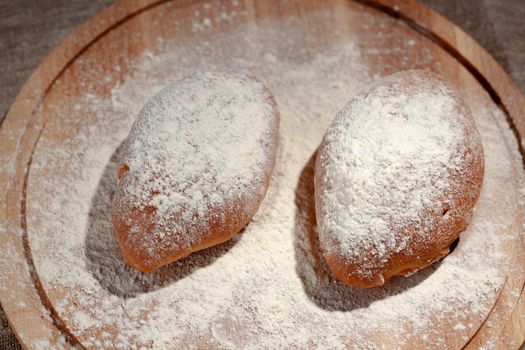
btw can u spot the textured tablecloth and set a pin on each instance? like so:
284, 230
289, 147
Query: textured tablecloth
30, 29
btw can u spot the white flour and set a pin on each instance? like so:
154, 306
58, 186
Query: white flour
198, 147
388, 158
268, 287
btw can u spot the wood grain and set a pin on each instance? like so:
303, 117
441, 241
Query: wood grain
21, 129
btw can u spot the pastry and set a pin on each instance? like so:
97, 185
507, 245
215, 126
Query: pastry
195, 167
397, 176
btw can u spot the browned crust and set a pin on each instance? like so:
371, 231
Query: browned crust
419, 253
235, 213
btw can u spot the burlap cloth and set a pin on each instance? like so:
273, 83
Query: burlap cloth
30, 29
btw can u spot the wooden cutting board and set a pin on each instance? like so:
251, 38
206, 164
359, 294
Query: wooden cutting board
28, 300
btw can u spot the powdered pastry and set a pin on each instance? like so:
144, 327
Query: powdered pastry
196, 166
397, 176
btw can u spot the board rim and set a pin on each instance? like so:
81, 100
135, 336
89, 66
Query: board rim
444, 33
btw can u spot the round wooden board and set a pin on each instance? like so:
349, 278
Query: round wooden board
469, 67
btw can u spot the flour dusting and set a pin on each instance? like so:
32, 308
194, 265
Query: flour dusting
268, 287
401, 166
198, 156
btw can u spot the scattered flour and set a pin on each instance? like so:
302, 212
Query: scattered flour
268, 287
